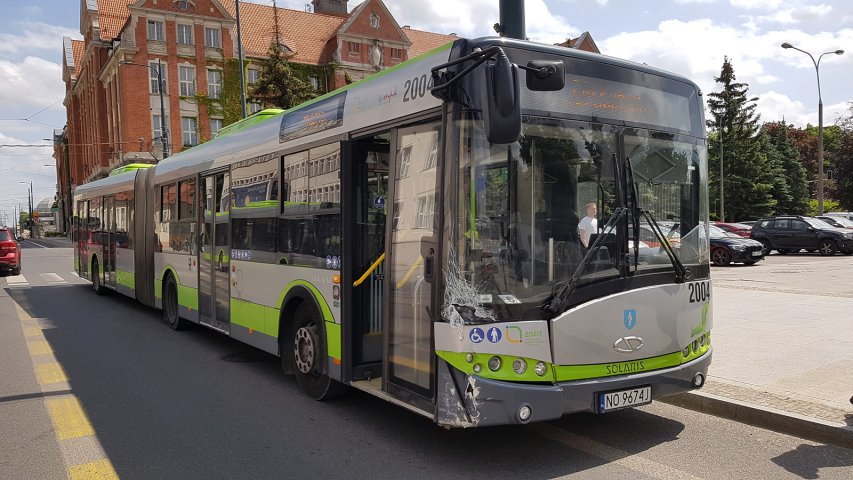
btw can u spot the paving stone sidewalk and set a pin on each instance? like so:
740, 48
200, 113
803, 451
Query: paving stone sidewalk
783, 335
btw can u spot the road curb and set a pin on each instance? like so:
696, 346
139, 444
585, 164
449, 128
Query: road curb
765, 417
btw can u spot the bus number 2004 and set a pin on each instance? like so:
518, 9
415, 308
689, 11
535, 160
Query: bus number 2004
699, 291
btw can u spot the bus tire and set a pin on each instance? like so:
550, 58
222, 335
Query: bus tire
96, 277
171, 312
308, 347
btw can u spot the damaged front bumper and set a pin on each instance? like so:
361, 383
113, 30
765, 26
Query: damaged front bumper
495, 402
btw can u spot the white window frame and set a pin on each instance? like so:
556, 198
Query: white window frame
159, 32
252, 76
214, 89
208, 39
156, 132
187, 87
425, 211
181, 39
189, 137
405, 161
219, 121
254, 106
374, 20
152, 76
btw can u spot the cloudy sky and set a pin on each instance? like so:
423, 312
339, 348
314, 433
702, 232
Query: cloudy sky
689, 37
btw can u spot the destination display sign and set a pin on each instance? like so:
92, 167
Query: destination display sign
617, 101
323, 115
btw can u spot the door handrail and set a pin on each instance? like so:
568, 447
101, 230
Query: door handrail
370, 270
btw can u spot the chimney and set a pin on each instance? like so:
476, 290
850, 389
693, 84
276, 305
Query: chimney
330, 7
512, 19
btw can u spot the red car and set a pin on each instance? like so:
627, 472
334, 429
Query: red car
10, 252
737, 228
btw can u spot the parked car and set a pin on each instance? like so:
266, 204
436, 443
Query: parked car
727, 247
793, 233
838, 222
740, 229
847, 215
10, 252
748, 223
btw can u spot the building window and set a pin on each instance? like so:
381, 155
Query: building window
187, 81
185, 34
212, 38
396, 54
214, 83
189, 131
152, 73
353, 47
254, 106
168, 203
155, 30
186, 200
215, 126
432, 156
156, 125
425, 211
405, 161
374, 20
182, 5
315, 82
252, 76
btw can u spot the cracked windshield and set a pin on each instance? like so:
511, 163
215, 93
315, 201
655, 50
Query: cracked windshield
535, 213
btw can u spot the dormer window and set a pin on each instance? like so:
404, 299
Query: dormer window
374, 20
183, 4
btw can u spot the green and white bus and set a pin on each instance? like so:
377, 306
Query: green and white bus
415, 235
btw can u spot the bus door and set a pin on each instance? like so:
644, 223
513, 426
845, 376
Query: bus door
366, 213
109, 241
214, 265
410, 267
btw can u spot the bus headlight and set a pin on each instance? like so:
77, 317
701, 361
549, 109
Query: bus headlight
495, 363
540, 369
477, 368
695, 346
686, 351
469, 358
519, 366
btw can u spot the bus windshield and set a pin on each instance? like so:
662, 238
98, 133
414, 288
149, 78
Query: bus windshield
530, 212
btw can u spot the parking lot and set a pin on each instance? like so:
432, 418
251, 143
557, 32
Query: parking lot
783, 332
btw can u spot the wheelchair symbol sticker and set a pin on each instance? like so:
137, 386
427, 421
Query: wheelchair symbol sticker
476, 335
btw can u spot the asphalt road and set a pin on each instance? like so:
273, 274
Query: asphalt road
195, 404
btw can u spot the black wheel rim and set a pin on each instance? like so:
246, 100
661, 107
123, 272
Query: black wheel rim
827, 248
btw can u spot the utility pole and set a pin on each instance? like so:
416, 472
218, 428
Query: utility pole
240, 57
722, 187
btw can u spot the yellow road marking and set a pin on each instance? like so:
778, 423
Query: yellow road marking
98, 470
68, 417
50, 373
39, 347
32, 332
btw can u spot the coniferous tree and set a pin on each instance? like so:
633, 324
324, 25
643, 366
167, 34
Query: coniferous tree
279, 84
748, 177
795, 175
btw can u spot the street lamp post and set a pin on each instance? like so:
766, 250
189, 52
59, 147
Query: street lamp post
30, 200
819, 122
164, 134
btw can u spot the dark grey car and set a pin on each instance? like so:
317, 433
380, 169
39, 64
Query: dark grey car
790, 234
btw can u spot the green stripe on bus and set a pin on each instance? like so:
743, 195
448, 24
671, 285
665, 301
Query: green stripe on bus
333, 339
260, 318
126, 279
584, 372
505, 372
187, 296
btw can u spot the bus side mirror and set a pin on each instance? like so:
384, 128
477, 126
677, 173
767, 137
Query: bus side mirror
546, 75
502, 110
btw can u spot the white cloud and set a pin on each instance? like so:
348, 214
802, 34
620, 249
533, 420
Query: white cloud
696, 50
776, 106
694, 1
19, 164
35, 36
475, 18
32, 82
756, 4
806, 13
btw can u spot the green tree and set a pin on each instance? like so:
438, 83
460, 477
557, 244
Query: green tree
749, 178
280, 83
843, 162
793, 199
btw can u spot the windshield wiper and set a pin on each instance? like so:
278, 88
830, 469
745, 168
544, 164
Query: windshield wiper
680, 270
560, 301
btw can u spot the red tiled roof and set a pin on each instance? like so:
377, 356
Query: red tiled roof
305, 33
77, 49
112, 15
423, 42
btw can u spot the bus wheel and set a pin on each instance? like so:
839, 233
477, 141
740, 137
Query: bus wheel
308, 346
170, 305
96, 278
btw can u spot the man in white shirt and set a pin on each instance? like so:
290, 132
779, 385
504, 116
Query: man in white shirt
589, 224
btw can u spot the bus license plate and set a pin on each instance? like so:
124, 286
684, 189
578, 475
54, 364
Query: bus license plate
757, 253
623, 399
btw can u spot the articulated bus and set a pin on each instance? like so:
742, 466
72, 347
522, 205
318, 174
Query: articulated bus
415, 235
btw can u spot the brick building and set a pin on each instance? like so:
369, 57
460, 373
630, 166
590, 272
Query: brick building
112, 93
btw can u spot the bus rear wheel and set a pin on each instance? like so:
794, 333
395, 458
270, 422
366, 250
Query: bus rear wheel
171, 313
308, 354
96, 278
